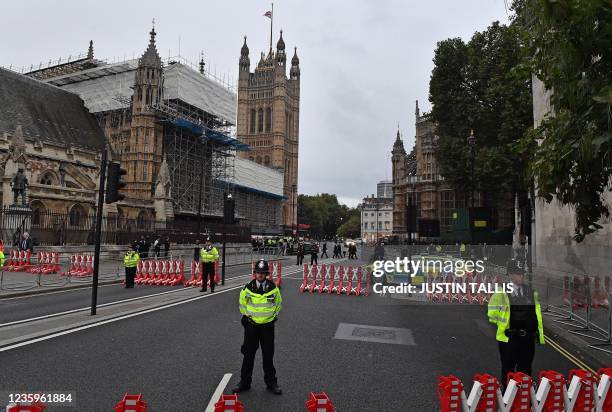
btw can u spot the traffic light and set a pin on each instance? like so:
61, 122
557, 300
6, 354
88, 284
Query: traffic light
114, 183
228, 209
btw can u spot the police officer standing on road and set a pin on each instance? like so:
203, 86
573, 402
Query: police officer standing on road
130, 261
208, 256
260, 301
300, 253
519, 323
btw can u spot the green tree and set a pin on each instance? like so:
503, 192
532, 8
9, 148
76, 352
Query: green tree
323, 213
351, 224
477, 86
569, 46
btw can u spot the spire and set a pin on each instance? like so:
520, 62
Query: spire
151, 56
245, 62
294, 73
90, 50
295, 61
416, 110
245, 49
280, 46
398, 145
202, 64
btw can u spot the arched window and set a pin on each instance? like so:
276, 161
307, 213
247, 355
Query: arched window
139, 93
38, 209
48, 178
252, 126
268, 119
258, 159
76, 216
251, 158
267, 160
260, 120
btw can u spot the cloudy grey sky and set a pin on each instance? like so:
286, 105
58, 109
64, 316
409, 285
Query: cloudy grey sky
363, 62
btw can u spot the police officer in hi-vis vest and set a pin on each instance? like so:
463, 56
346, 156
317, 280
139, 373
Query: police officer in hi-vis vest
260, 301
130, 261
208, 256
518, 318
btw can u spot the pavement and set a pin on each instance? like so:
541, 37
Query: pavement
368, 353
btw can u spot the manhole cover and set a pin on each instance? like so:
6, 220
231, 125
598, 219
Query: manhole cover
374, 333
379, 334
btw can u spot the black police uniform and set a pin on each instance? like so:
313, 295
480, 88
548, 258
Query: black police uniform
256, 335
517, 354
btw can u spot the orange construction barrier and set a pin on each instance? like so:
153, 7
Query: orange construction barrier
319, 402
131, 403
229, 403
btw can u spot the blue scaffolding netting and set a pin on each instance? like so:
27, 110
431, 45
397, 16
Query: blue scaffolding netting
213, 135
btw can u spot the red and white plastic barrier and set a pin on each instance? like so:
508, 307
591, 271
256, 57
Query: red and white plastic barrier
48, 262
131, 403
80, 265
329, 279
319, 402
160, 272
196, 275
585, 393
26, 407
576, 291
276, 271
229, 403
18, 261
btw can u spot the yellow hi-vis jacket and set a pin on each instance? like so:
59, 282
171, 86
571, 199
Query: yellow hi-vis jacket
260, 308
498, 312
2, 257
130, 260
209, 256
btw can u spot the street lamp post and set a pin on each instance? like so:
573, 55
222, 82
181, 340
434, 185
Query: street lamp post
472, 143
376, 220
294, 215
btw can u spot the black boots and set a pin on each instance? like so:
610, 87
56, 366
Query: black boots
275, 389
241, 387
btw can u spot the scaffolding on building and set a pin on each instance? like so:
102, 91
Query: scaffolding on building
197, 144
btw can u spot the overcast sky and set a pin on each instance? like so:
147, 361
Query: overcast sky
363, 62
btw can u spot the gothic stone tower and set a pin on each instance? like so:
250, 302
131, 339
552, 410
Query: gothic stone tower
268, 116
398, 159
143, 152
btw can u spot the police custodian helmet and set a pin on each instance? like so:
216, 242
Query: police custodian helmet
262, 267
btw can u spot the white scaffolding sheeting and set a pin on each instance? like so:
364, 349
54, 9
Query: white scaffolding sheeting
183, 83
109, 86
253, 175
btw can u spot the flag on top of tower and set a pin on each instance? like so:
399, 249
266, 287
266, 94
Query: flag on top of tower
268, 14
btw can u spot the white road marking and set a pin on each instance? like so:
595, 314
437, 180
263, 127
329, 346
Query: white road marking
104, 322
52, 315
218, 392
129, 315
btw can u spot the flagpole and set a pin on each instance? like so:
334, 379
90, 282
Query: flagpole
271, 23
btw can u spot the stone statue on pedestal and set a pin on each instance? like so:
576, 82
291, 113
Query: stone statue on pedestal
19, 186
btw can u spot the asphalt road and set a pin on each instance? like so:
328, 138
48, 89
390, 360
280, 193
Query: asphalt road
176, 357
26, 307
